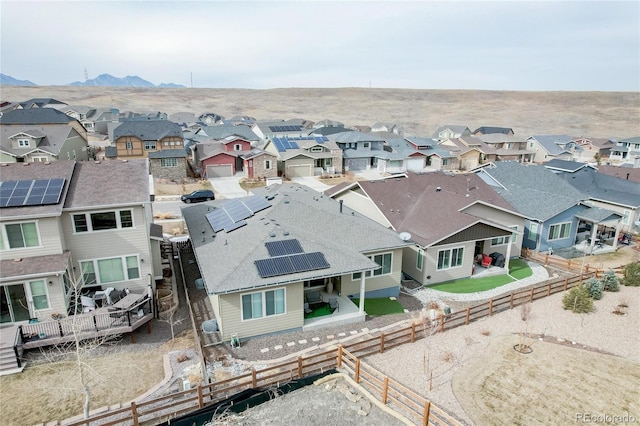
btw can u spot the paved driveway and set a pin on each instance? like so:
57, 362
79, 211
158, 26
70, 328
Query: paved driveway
228, 187
311, 182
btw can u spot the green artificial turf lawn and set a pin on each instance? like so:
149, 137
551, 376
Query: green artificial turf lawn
320, 311
517, 268
381, 306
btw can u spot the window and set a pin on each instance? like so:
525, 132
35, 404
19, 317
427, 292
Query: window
450, 258
149, 145
365, 145
21, 235
626, 216
23, 143
505, 239
316, 149
385, 261
533, 231
445, 161
166, 143
101, 271
267, 164
559, 231
237, 147
39, 294
264, 303
101, 221
168, 162
129, 146
419, 259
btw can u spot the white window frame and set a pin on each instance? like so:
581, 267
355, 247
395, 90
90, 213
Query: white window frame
379, 271
24, 143
46, 295
39, 159
533, 234
89, 222
505, 239
267, 164
560, 227
4, 238
316, 149
263, 304
96, 269
149, 145
128, 146
237, 147
450, 264
626, 216
169, 162
420, 259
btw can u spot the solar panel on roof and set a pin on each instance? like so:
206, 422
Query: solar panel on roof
256, 203
236, 209
284, 265
294, 145
318, 260
30, 192
232, 213
283, 247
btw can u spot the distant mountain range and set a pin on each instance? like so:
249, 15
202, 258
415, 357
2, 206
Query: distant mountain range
104, 80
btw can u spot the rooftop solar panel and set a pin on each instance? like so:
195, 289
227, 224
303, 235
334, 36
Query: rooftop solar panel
285, 265
256, 203
236, 209
283, 247
30, 192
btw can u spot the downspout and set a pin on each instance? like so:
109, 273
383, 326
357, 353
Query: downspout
362, 290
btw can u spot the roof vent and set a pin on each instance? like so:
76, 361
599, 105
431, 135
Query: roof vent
438, 189
285, 233
96, 162
272, 234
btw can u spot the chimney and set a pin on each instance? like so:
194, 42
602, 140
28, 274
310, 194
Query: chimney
341, 201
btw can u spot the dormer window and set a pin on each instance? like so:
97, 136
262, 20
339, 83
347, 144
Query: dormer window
24, 143
316, 149
237, 147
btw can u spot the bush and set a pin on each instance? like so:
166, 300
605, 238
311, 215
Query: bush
632, 274
610, 282
594, 288
577, 300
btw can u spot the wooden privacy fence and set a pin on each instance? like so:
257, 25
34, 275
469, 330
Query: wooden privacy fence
572, 265
346, 357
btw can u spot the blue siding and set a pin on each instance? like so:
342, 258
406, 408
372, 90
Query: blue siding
564, 217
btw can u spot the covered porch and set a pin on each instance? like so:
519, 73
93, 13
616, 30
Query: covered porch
346, 312
598, 231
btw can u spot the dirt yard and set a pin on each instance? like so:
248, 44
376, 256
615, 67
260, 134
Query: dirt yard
165, 187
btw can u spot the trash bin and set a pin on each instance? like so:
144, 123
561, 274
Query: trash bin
447, 310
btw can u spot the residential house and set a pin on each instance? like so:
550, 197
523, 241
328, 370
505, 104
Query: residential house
444, 133
224, 130
265, 259
565, 166
489, 130
626, 151
65, 221
547, 147
467, 152
328, 130
505, 147
142, 116
305, 156
41, 103
594, 149
260, 165
238, 120
360, 151
608, 192
185, 120
278, 129
328, 123
41, 134
404, 156
221, 158
449, 220
558, 215
82, 113
388, 127
210, 118
168, 164
626, 173
135, 139
437, 157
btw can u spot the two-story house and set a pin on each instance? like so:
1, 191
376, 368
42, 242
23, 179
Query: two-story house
506, 147
135, 139
220, 158
548, 147
626, 151
64, 222
278, 129
360, 150
446, 132
305, 156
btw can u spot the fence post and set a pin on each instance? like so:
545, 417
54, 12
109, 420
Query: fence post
200, 398
549, 289
339, 364
490, 306
442, 323
134, 413
427, 410
531, 297
382, 343
581, 274
299, 367
413, 332
569, 264
357, 372
466, 321
385, 390
254, 378
546, 259
511, 301
60, 328
566, 281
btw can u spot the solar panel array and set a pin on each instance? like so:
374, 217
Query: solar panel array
37, 192
284, 247
282, 144
232, 213
285, 128
291, 264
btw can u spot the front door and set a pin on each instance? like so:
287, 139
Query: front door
13, 304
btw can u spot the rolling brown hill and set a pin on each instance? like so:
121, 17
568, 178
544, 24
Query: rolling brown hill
421, 112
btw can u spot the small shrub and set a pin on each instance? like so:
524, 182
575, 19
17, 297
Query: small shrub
485, 332
577, 300
623, 302
632, 275
448, 356
610, 282
594, 288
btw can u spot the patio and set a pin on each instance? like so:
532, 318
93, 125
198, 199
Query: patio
347, 313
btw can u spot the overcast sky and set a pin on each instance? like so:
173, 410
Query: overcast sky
504, 45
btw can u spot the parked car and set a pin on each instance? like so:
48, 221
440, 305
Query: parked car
197, 196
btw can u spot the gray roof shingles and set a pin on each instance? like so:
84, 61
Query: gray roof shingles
148, 130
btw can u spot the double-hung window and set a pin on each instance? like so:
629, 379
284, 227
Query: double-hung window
263, 303
20, 235
168, 162
559, 231
109, 270
39, 294
505, 239
450, 258
149, 145
102, 221
384, 260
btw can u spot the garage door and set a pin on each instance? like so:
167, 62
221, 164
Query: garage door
354, 164
220, 170
299, 171
415, 164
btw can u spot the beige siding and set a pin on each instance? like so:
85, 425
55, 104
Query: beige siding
634, 214
503, 218
50, 241
6, 158
431, 263
352, 287
363, 205
112, 243
409, 258
230, 310
156, 256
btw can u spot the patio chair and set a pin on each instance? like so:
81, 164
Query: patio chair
307, 309
333, 304
313, 297
486, 261
88, 304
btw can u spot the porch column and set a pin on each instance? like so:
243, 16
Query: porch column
594, 232
615, 237
361, 307
508, 256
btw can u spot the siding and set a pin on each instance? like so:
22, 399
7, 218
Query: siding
431, 262
351, 287
231, 312
50, 240
363, 205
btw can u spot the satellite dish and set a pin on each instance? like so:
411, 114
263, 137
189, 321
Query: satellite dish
404, 236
